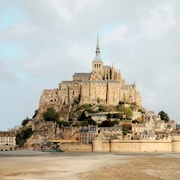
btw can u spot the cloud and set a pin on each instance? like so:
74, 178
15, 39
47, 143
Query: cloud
117, 35
20, 30
159, 21
47, 41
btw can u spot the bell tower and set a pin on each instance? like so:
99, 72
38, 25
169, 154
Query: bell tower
97, 64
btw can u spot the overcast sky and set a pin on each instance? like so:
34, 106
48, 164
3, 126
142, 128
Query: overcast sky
43, 42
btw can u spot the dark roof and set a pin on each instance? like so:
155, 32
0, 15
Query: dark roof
81, 74
63, 82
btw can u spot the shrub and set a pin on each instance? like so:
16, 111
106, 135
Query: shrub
51, 115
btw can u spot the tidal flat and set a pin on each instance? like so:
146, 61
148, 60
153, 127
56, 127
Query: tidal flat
36, 165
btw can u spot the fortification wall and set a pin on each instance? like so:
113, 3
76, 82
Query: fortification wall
106, 146
76, 147
136, 145
176, 144
124, 146
141, 146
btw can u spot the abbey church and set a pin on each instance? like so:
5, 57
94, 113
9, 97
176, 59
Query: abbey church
103, 85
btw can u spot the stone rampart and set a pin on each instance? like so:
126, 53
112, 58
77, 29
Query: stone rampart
140, 146
76, 147
176, 144
116, 145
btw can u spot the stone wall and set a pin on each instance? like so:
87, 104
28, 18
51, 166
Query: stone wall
136, 145
116, 145
176, 144
7, 148
141, 146
76, 147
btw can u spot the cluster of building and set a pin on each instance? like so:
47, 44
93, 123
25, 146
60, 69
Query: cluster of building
152, 128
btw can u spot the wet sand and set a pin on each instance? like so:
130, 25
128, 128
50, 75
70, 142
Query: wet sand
34, 165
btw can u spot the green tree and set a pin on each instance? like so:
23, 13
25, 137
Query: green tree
22, 136
164, 116
35, 113
91, 121
109, 116
115, 122
128, 112
76, 101
25, 121
51, 115
82, 116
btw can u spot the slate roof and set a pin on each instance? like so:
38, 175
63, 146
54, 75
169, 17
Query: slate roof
82, 74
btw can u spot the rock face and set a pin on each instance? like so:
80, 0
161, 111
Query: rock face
44, 131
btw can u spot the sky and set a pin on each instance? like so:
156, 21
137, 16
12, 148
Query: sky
43, 42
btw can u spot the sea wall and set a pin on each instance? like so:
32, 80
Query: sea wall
140, 146
76, 147
176, 144
116, 145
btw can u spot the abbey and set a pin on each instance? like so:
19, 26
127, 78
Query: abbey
103, 85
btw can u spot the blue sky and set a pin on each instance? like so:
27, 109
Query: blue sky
45, 42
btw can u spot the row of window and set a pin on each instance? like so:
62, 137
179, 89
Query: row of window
97, 65
7, 144
5, 137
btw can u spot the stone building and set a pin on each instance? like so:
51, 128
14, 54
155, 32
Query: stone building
7, 141
103, 85
87, 134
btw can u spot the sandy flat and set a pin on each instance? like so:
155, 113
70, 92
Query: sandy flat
32, 165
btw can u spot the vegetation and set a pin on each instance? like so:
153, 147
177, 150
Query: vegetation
22, 136
76, 101
86, 119
164, 116
35, 113
119, 112
63, 123
126, 112
82, 116
25, 121
51, 115
126, 128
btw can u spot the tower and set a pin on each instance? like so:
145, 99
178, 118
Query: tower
97, 64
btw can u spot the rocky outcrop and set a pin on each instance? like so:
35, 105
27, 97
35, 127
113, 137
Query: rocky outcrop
45, 131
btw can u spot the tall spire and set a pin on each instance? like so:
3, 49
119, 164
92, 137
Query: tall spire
97, 56
97, 45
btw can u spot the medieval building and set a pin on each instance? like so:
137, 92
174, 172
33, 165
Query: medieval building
103, 85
